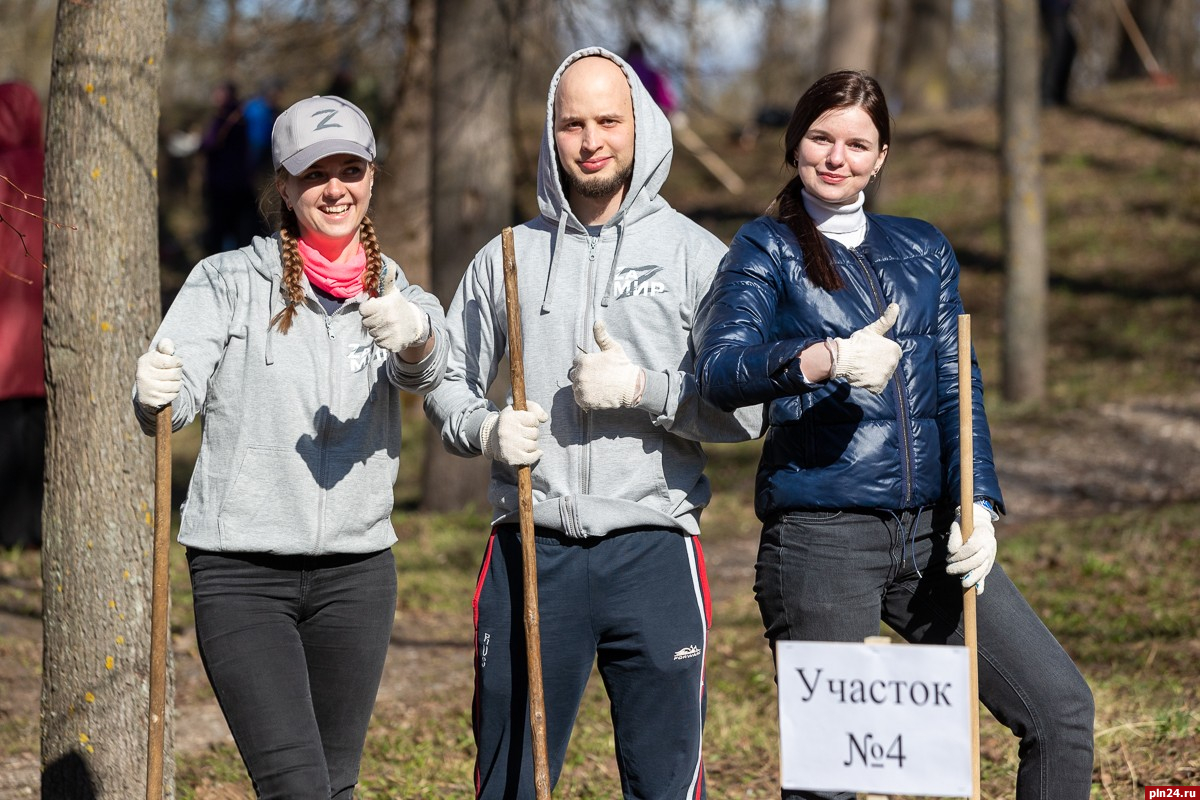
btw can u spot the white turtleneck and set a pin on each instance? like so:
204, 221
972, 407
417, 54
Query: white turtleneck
844, 224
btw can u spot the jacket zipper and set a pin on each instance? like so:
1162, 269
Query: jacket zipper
322, 433
902, 406
585, 461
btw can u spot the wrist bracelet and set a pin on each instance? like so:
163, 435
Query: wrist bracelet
832, 347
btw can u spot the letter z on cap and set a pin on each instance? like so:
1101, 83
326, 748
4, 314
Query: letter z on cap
318, 127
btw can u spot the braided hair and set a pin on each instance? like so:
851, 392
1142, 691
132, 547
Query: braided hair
292, 288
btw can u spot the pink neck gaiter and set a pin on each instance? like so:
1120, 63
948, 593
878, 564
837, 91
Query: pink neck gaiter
340, 280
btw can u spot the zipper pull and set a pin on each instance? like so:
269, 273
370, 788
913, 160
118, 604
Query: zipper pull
329, 327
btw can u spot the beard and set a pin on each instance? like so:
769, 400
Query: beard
598, 187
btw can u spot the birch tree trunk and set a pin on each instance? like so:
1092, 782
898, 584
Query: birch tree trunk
1025, 299
101, 306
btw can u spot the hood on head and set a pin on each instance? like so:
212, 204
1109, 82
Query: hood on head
652, 149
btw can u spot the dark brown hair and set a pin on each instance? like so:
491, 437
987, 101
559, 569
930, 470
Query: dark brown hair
292, 287
843, 89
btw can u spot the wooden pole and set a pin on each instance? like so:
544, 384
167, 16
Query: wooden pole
966, 479
159, 604
712, 162
1157, 75
533, 640
876, 640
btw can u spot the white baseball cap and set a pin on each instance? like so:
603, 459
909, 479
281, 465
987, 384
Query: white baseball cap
317, 127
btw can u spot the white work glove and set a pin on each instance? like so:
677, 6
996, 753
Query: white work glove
972, 560
868, 358
159, 376
607, 379
510, 436
394, 323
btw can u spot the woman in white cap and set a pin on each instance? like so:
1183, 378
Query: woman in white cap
295, 350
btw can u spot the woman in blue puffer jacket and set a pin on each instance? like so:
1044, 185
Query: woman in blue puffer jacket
845, 324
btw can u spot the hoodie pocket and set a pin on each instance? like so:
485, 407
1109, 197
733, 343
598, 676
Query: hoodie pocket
360, 502
626, 459
271, 504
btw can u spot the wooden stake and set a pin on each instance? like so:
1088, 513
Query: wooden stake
876, 640
1157, 75
688, 137
533, 641
966, 479
159, 604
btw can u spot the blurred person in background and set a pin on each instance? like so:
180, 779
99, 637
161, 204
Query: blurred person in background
1059, 49
296, 350
260, 112
231, 214
655, 81
22, 382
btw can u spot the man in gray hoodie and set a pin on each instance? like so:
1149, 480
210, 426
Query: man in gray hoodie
609, 279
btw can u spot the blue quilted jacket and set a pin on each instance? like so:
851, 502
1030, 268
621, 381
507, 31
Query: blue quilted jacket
829, 445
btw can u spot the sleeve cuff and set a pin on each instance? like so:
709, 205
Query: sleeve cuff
654, 394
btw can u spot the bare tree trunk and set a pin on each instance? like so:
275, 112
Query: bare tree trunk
691, 57
102, 303
893, 42
852, 34
774, 92
1182, 49
925, 59
229, 42
1179, 54
1024, 205
403, 207
473, 184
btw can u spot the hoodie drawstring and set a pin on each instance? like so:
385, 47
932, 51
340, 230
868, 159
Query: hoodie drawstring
548, 297
612, 272
272, 310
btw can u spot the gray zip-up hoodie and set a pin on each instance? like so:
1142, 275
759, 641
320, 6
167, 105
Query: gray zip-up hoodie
605, 470
301, 435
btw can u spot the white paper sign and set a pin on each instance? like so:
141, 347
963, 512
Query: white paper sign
890, 719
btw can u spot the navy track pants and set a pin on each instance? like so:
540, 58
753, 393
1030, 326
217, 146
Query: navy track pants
636, 604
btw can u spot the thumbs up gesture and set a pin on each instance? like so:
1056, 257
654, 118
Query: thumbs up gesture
607, 379
393, 322
868, 358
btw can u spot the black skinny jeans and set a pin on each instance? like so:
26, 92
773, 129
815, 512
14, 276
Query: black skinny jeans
294, 648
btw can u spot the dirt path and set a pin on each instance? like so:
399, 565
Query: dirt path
1121, 456
1145, 452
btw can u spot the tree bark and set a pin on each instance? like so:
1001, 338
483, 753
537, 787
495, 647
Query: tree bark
473, 159
101, 305
852, 35
404, 205
1025, 299
925, 58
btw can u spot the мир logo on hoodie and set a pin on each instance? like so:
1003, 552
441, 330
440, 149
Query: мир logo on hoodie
632, 281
